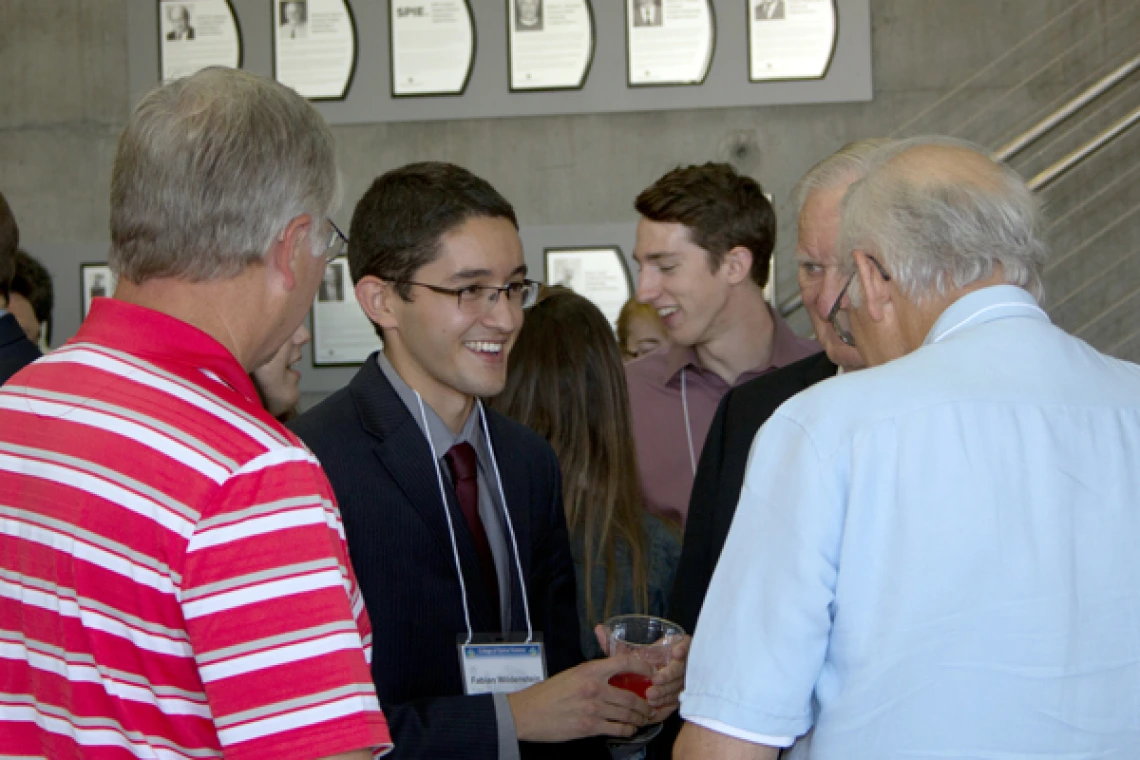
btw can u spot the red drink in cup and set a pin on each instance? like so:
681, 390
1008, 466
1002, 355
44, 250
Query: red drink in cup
647, 638
632, 682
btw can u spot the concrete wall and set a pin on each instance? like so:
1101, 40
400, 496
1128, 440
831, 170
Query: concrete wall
938, 66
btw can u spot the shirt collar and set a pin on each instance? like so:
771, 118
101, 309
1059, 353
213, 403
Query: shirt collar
985, 305
784, 351
150, 334
437, 430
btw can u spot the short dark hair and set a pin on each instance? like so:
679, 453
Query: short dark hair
9, 242
721, 208
397, 225
33, 282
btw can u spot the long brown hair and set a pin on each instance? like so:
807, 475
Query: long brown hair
565, 381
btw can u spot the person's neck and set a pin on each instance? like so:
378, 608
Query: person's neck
209, 306
452, 406
744, 340
917, 320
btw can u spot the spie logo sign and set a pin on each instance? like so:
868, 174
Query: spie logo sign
411, 10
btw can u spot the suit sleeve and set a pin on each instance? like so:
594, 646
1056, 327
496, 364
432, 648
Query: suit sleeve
458, 726
698, 556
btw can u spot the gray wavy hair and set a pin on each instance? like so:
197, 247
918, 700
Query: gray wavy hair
939, 233
849, 162
210, 169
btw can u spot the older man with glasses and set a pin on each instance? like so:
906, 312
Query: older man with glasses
453, 513
174, 580
935, 556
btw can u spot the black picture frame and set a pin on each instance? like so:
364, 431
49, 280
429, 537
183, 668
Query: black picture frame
392, 59
568, 88
159, 38
629, 83
273, 4
748, 50
615, 249
84, 268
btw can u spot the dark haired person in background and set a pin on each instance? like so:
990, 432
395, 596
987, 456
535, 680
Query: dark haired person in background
704, 241
31, 299
444, 547
16, 350
565, 382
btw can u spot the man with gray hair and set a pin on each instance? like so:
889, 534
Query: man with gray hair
936, 556
720, 474
173, 575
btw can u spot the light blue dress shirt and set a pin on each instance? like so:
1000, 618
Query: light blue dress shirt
939, 557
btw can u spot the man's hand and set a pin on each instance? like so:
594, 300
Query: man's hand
579, 702
668, 682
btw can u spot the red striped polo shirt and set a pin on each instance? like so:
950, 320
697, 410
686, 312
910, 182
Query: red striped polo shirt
174, 581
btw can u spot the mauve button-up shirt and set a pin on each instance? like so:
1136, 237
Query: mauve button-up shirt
663, 454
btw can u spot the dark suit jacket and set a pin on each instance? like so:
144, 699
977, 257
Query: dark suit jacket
719, 478
174, 35
16, 351
380, 467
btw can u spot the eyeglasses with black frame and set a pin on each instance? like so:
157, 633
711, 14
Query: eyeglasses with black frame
478, 300
337, 244
838, 317
473, 300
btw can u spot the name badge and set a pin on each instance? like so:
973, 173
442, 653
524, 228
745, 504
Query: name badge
501, 667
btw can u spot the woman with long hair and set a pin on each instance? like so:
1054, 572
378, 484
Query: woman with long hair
565, 381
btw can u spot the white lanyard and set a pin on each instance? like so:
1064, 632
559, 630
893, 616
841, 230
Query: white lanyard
688, 427
451, 527
958, 326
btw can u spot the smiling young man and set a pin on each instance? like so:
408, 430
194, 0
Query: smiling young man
704, 241
453, 513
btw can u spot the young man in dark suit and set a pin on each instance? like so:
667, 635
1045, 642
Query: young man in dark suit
16, 351
453, 513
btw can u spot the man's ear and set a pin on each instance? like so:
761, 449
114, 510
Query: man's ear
378, 300
293, 242
876, 289
737, 264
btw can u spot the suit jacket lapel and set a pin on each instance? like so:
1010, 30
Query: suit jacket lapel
401, 448
516, 489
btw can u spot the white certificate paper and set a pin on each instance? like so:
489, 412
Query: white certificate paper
194, 34
314, 47
551, 43
342, 333
669, 41
790, 39
599, 274
432, 46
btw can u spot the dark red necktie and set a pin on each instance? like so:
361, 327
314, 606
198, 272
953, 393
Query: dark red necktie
464, 467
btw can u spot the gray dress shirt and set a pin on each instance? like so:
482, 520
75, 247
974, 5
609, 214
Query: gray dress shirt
491, 512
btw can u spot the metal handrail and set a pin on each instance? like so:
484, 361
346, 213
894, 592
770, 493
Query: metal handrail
1027, 138
1031, 135
793, 303
1049, 175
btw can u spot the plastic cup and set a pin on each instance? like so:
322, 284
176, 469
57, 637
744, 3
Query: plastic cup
647, 638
